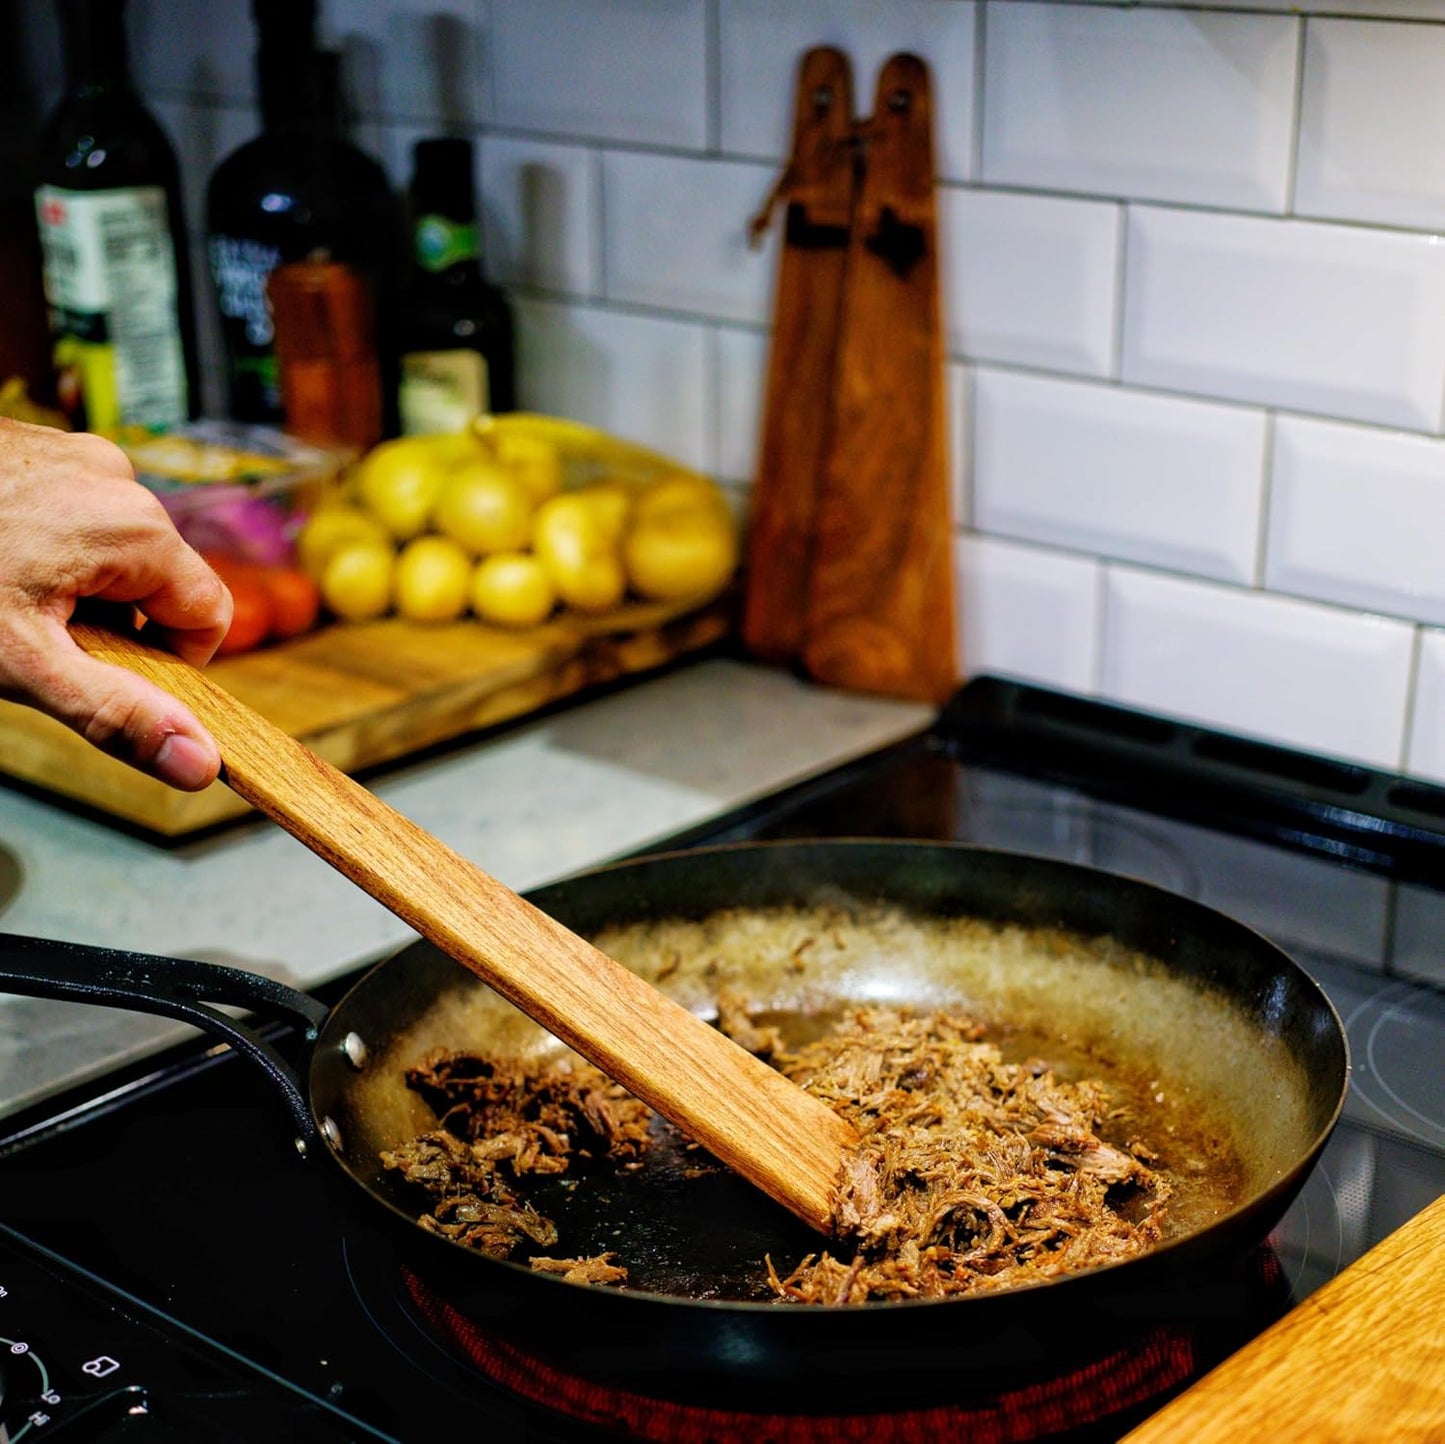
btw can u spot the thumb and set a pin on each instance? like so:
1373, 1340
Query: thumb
127, 717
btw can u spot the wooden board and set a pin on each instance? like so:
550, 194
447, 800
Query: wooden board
367, 693
1362, 1358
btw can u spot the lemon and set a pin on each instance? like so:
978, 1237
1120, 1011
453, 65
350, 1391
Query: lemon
398, 481
484, 508
356, 581
326, 531
610, 503
582, 561
512, 589
432, 575
533, 460
681, 493
680, 554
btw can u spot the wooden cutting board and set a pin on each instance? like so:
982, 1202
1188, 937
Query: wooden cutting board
1363, 1358
361, 694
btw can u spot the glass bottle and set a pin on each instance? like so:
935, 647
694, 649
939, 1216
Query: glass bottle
456, 328
113, 239
300, 191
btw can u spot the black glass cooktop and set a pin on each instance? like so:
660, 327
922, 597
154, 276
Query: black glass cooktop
169, 1269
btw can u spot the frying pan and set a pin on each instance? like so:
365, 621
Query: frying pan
1118, 968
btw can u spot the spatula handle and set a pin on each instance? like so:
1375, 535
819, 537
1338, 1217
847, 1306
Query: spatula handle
753, 1119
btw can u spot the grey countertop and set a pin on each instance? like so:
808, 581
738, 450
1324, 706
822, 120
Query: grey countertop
530, 804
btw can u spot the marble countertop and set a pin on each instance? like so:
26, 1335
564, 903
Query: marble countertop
530, 804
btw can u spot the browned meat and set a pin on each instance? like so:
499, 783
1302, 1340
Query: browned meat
596, 1270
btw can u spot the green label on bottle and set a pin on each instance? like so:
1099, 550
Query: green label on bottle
110, 279
441, 243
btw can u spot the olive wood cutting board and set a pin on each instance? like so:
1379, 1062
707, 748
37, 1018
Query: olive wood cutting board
366, 693
1362, 1358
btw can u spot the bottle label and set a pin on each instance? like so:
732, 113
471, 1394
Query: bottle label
240, 269
441, 244
442, 391
112, 287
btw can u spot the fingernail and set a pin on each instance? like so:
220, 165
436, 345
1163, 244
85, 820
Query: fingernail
185, 763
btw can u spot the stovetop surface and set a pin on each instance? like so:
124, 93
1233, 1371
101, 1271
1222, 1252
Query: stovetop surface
170, 1270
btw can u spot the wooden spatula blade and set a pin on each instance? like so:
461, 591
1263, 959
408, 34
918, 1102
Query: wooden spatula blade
751, 1117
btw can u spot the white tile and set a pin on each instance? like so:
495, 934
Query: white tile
1026, 613
1338, 320
762, 41
198, 48
742, 370
675, 235
541, 211
1140, 103
640, 377
1372, 117
1102, 469
1357, 516
1426, 757
1289, 671
409, 59
958, 425
628, 70
1030, 279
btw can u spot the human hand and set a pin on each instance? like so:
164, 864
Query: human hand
75, 524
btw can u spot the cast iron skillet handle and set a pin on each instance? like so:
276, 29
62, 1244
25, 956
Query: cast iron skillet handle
173, 988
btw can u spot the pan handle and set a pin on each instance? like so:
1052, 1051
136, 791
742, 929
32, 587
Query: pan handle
174, 988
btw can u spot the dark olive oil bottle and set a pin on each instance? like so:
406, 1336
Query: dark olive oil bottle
113, 239
298, 191
455, 328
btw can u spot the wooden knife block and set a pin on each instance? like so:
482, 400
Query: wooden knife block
850, 557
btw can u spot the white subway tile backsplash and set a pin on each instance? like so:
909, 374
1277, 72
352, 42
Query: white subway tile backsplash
629, 70
742, 362
1372, 117
1289, 671
1030, 279
1026, 612
173, 50
676, 235
1138, 103
1426, 757
417, 60
1357, 517
1338, 320
542, 215
762, 41
1101, 469
641, 377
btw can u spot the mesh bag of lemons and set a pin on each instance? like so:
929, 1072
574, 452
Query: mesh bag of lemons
514, 519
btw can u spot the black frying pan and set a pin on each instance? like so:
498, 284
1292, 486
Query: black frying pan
1229, 1023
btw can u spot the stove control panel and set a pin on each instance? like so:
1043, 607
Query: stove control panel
81, 1363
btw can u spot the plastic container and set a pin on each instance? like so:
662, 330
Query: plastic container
233, 489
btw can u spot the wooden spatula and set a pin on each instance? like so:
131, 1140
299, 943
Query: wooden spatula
751, 1117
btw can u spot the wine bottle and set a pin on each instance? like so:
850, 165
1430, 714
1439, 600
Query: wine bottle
456, 328
300, 191
113, 239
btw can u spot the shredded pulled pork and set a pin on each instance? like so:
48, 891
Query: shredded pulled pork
499, 1120
973, 1173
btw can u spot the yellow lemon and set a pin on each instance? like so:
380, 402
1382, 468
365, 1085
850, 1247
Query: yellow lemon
398, 481
680, 554
682, 492
610, 503
484, 508
432, 576
356, 582
533, 460
512, 589
326, 531
583, 563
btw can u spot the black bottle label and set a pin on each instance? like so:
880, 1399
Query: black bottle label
240, 269
112, 286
